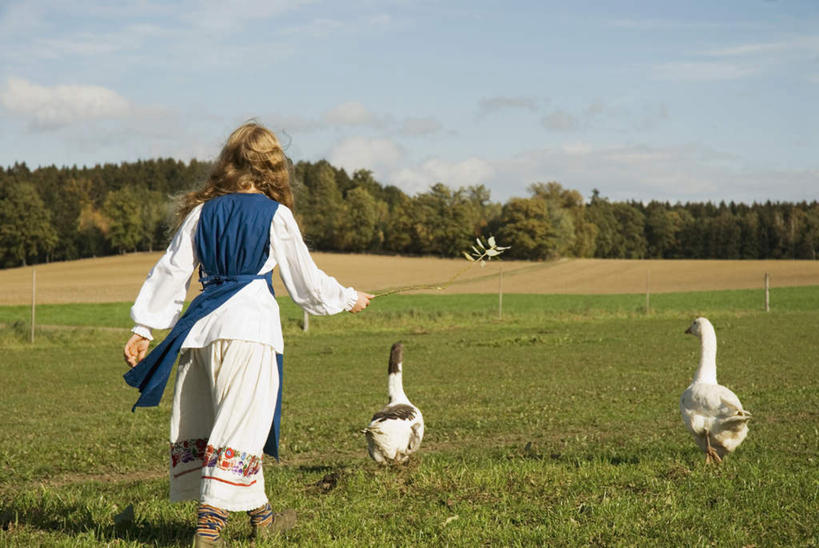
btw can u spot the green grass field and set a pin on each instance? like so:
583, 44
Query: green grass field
557, 425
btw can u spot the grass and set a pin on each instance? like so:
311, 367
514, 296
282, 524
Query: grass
556, 426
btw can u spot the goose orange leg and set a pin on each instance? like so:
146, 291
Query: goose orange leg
710, 452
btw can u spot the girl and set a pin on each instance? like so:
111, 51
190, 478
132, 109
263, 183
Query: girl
227, 398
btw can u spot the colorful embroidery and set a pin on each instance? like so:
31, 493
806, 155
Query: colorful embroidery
188, 450
223, 458
232, 460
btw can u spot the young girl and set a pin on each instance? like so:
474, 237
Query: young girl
227, 398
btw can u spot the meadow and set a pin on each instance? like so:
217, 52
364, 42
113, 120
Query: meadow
555, 425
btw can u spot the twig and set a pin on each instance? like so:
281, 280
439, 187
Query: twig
483, 255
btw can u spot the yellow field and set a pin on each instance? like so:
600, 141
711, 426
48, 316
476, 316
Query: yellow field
114, 279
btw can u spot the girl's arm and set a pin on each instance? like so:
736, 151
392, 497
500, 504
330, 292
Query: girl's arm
312, 289
159, 303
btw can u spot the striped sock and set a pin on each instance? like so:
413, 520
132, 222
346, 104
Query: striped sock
261, 516
211, 521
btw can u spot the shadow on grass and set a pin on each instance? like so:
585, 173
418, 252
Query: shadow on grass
73, 519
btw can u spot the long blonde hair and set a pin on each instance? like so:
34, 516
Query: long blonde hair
252, 158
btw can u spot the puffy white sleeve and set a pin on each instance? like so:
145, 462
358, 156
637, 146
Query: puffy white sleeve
160, 301
312, 289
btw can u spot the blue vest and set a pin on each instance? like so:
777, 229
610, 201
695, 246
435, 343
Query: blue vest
232, 244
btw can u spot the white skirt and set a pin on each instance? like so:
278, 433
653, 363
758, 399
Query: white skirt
223, 406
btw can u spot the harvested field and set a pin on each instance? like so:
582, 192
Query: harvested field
117, 279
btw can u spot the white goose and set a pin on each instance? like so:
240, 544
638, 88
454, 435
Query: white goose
712, 413
396, 431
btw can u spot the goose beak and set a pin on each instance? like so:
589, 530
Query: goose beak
689, 331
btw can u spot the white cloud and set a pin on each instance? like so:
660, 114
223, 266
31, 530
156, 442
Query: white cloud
689, 172
352, 113
702, 71
61, 105
376, 154
472, 171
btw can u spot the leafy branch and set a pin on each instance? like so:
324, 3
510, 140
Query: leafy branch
486, 252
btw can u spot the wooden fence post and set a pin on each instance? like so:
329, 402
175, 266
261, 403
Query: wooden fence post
500, 290
648, 301
33, 300
767, 292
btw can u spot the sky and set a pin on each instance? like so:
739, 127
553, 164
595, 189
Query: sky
641, 100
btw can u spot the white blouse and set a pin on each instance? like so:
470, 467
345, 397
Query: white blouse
252, 314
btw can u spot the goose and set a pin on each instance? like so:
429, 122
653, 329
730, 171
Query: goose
711, 412
396, 431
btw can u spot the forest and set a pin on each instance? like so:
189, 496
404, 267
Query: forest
55, 214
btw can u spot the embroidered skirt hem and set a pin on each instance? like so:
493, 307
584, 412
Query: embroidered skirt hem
224, 402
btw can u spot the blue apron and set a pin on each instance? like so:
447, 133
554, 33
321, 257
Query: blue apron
232, 244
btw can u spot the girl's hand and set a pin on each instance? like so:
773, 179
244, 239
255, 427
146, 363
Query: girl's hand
135, 349
362, 301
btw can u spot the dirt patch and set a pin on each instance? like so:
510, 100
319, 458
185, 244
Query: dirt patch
75, 478
118, 279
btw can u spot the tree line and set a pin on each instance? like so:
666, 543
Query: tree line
51, 213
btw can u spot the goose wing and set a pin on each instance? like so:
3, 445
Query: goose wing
399, 411
416, 435
729, 404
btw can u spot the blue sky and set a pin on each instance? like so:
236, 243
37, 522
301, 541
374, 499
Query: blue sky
677, 101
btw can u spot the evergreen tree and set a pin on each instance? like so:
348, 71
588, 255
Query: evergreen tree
630, 241
660, 229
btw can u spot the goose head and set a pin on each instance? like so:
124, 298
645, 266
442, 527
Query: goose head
396, 358
700, 327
